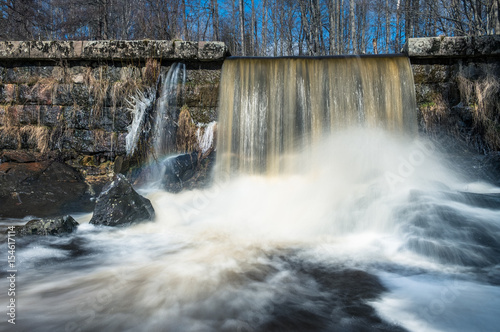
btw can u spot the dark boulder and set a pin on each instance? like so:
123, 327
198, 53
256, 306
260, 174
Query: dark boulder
46, 188
48, 226
178, 170
120, 205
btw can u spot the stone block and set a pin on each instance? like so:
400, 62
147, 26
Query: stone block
77, 118
96, 50
487, 45
11, 117
211, 51
29, 114
63, 95
431, 73
3, 113
453, 47
9, 139
113, 119
14, 50
8, 93
53, 49
51, 115
201, 95
40, 94
162, 49
185, 50
18, 75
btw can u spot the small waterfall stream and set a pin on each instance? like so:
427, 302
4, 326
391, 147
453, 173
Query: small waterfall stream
152, 133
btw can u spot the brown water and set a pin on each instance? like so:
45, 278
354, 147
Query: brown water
273, 107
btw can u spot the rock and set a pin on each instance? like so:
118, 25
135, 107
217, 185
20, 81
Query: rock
471, 46
17, 156
203, 175
210, 51
45, 188
120, 205
48, 226
185, 50
178, 170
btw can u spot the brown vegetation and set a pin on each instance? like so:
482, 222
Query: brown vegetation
186, 140
482, 99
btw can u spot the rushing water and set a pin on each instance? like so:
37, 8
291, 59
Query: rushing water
368, 230
155, 113
376, 234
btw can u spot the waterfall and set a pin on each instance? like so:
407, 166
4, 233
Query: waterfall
165, 126
205, 137
155, 113
271, 108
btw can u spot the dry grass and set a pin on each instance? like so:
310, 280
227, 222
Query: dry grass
186, 140
151, 71
45, 88
434, 114
36, 136
482, 98
98, 87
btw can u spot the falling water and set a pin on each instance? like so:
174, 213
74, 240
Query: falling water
168, 111
271, 108
205, 137
155, 114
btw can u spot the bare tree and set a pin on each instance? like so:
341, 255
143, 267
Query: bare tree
352, 24
242, 27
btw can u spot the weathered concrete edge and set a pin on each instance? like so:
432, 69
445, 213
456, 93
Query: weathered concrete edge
453, 47
113, 50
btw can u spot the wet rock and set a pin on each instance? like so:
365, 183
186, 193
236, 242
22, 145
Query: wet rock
48, 226
44, 188
120, 205
203, 175
178, 170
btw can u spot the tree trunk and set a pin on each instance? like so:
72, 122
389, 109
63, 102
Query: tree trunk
242, 28
305, 27
264, 30
331, 20
340, 38
353, 26
397, 43
215, 19
184, 21
253, 29
387, 26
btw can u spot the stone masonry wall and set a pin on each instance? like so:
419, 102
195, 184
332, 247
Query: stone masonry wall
71, 97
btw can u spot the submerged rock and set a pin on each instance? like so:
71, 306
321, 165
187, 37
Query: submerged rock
48, 226
120, 205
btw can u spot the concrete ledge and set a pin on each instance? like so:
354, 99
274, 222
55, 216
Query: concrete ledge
453, 47
113, 50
